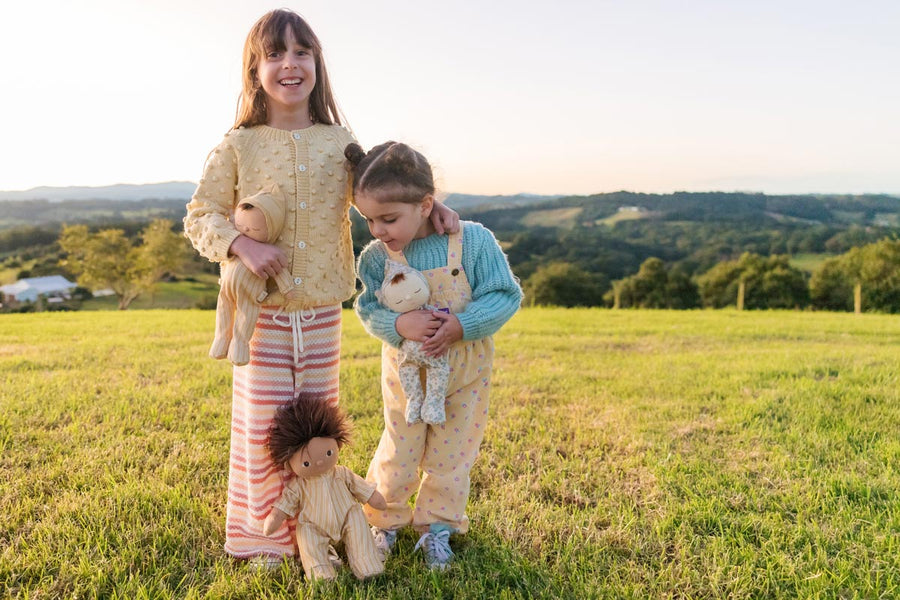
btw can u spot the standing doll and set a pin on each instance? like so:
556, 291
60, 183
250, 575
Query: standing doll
306, 437
287, 137
470, 278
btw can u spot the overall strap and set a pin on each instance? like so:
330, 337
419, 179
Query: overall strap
395, 256
454, 248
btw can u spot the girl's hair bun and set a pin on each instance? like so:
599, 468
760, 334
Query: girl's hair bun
354, 153
391, 166
400, 159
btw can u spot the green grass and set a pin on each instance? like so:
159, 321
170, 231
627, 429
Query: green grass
623, 215
630, 454
174, 294
553, 217
809, 262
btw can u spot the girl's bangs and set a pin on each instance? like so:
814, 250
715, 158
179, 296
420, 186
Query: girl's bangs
271, 35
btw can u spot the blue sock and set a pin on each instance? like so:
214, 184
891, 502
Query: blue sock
439, 527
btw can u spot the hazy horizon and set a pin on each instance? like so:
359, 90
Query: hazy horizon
19, 195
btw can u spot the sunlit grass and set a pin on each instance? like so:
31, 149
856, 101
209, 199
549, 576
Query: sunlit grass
809, 262
639, 454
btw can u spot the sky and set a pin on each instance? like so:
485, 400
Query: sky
503, 97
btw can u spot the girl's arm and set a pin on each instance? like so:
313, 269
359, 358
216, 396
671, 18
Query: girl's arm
496, 294
385, 324
207, 223
376, 319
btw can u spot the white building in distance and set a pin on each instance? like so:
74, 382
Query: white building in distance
53, 287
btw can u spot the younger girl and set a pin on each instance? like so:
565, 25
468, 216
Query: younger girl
476, 292
286, 136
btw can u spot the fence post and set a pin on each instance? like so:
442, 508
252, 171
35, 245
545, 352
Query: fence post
857, 298
617, 296
742, 287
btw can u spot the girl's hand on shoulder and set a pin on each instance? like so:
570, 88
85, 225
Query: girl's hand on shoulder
449, 333
444, 219
417, 325
263, 260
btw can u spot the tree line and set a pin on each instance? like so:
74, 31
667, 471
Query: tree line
868, 275
682, 250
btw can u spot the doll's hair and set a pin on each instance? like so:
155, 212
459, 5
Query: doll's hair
392, 171
306, 417
267, 34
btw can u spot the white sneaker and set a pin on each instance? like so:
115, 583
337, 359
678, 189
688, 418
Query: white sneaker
436, 546
264, 562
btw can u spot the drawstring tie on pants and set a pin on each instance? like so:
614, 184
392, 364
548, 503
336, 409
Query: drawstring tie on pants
295, 319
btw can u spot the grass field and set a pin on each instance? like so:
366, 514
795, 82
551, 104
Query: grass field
176, 294
631, 454
809, 262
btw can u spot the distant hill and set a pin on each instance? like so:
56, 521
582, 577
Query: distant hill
469, 201
170, 190
742, 210
182, 190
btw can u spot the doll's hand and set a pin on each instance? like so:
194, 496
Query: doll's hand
417, 325
449, 333
263, 260
377, 501
444, 219
274, 521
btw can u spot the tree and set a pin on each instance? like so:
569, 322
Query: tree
562, 284
831, 285
654, 286
770, 282
875, 267
108, 259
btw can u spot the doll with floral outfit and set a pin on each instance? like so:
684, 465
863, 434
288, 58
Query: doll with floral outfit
306, 436
259, 217
405, 289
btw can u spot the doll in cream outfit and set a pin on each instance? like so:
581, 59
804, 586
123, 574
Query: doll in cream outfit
260, 217
324, 497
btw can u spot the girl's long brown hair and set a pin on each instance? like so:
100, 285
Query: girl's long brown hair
266, 35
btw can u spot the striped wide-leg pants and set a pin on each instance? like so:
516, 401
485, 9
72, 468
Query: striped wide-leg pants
289, 354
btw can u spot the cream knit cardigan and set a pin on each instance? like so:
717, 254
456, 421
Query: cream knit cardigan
307, 166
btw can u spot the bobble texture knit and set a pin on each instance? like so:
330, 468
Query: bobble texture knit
496, 294
307, 166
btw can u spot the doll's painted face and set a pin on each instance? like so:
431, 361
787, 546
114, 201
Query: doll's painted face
405, 292
250, 220
318, 457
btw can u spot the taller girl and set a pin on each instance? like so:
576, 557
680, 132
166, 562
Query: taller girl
287, 138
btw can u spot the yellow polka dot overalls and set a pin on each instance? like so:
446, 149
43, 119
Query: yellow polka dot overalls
434, 460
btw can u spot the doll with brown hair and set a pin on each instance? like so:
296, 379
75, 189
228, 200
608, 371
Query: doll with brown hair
259, 217
306, 437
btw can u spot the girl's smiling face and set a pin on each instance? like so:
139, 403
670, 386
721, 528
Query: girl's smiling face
396, 224
287, 75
